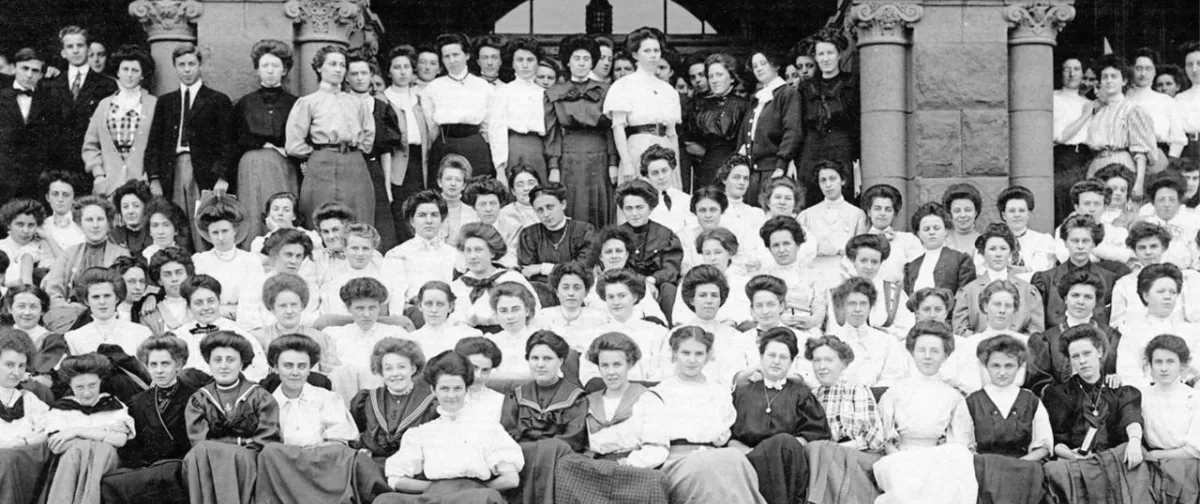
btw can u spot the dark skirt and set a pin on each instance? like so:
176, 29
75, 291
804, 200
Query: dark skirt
161, 482
1008, 480
840, 475
1070, 166
527, 149
23, 473
836, 145
325, 473
1175, 481
1102, 479
342, 177
220, 473
455, 491
759, 180
383, 209
537, 476
584, 168
473, 147
705, 172
262, 173
782, 469
414, 182
582, 480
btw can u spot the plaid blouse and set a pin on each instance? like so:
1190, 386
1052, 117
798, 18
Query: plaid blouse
852, 414
123, 126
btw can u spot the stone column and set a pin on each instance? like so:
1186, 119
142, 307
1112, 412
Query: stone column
322, 22
883, 37
1033, 28
168, 24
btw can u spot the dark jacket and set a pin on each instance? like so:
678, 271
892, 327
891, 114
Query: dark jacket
1047, 282
77, 111
954, 270
210, 138
1048, 363
777, 137
159, 436
30, 146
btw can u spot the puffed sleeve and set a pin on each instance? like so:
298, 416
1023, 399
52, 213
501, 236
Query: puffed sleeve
268, 421
409, 460
387, 129
672, 256
553, 141
789, 114
1192, 438
298, 123
1129, 402
196, 417
1043, 435
962, 428
1059, 413
813, 426
497, 130
338, 424
503, 451
620, 98
359, 405
1142, 140
655, 435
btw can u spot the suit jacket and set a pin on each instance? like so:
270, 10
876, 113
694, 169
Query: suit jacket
777, 137
211, 138
954, 270
77, 111
1047, 283
29, 146
1049, 365
61, 278
100, 154
429, 132
968, 319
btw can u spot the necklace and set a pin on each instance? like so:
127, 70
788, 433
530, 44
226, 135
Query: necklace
560, 239
768, 398
1091, 402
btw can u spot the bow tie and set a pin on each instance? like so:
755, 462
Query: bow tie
335, 253
481, 285
22, 91
204, 329
16, 412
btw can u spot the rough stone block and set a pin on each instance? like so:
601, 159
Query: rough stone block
939, 23
984, 24
937, 143
961, 76
985, 142
228, 30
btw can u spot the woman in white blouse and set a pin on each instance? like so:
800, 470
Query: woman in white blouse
518, 214
1036, 251
643, 108
513, 304
1158, 288
436, 301
1170, 408
23, 452
26, 249
999, 305
517, 121
482, 246
220, 222
806, 289
833, 221
168, 227
718, 247
27, 304
709, 209
614, 245
571, 282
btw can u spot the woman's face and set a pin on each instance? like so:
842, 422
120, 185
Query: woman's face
365, 312
997, 254
223, 235
512, 313
714, 254
401, 71
781, 202
720, 81
932, 231
999, 310
1143, 72
26, 311
359, 251
429, 65
619, 300
23, 228
550, 210
288, 308
283, 212
225, 364
827, 365
1072, 73
881, 212
132, 209
580, 64
963, 214
451, 392
831, 184
522, 184
621, 68
648, 54
171, 277
544, 364
205, 306
1120, 191
1085, 359
1112, 83
524, 64
1166, 203
1191, 66
483, 370
270, 70
1002, 368
636, 209
827, 56
1165, 84
738, 182
1160, 299
162, 367
452, 183
333, 70
86, 389
614, 368
783, 247
1016, 215
662, 70
658, 173
129, 74
427, 220
708, 214
1166, 366
682, 87
929, 353
571, 292
102, 301
867, 261
135, 284
1081, 301
545, 76
397, 372
61, 196
764, 71
478, 255
162, 230
776, 361
766, 308
707, 301
613, 254
690, 358
932, 308
1089, 82
436, 307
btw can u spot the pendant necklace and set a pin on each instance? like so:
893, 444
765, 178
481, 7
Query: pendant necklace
770, 399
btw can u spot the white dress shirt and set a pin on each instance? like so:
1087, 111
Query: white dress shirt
1068, 106
23, 101
517, 106
462, 99
1168, 127
1188, 105
314, 417
114, 331
184, 92
925, 272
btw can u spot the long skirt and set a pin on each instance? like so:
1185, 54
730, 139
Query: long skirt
705, 172
943, 474
702, 476
334, 474
1008, 480
834, 145
414, 182
220, 473
1102, 479
261, 174
527, 149
78, 470
582, 480
637, 144
1175, 481
455, 491
473, 147
782, 469
23, 473
584, 168
383, 208
537, 476
186, 194
759, 180
341, 177
161, 483
840, 475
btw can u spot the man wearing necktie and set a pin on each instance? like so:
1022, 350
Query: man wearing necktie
80, 90
30, 129
674, 206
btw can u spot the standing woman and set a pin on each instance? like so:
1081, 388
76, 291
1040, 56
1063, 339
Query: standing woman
261, 121
644, 109
410, 160
717, 117
579, 138
428, 64
517, 124
770, 135
461, 102
332, 129
115, 144
829, 119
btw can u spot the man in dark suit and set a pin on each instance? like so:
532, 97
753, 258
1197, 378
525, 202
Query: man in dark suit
1082, 233
80, 89
30, 129
192, 147
940, 266
1048, 363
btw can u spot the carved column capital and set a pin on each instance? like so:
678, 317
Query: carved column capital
167, 19
325, 20
884, 22
1037, 22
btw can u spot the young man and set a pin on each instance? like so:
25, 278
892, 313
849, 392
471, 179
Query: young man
80, 90
191, 147
673, 205
31, 122
1082, 233
461, 102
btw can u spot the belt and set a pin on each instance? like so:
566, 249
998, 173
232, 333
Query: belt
1082, 148
342, 148
684, 442
651, 129
1111, 152
459, 130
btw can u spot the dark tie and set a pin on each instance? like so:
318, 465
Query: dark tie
76, 85
480, 285
26, 92
16, 412
187, 107
667, 199
204, 329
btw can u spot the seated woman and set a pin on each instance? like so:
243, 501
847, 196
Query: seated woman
514, 307
436, 300
486, 195
1049, 363
133, 270
94, 215
1158, 288
484, 356
280, 213
287, 251
228, 422
962, 204
932, 303
453, 172
168, 228
781, 197
23, 449
385, 413
151, 462
709, 206
999, 302
705, 290
85, 429
842, 466
880, 360
621, 290
996, 246
928, 429
613, 248
627, 434
60, 227
1010, 424
832, 221
26, 249
169, 268
314, 462
882, 203
426, 256
1149, 241
458, 456
546, 417
1035, 251
519, 213
776, 419
220, 222
364, 298
571, 283
1097, 427
27, 304
942, 266
717, 247
203, 294
362, 261
1170, 410
659, 253
102, 289
287, 295
698, 470
806, 287
481, 245
132, 231
867, 254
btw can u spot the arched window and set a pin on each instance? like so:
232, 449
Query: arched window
567, 16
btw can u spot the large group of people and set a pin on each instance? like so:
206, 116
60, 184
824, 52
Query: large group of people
470, 273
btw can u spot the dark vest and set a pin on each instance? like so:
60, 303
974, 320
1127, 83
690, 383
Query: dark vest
995, 434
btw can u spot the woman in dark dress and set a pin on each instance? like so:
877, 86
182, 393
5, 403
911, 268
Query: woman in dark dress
718, 115
384, 414
579, 147
261, 121
388, 139
132, 231
776, 419
829, 115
